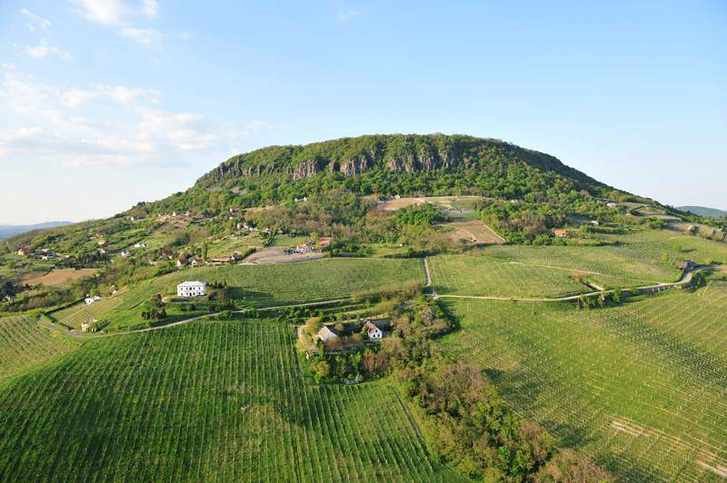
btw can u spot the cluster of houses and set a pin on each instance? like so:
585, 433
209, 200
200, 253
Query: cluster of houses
42, 254
197, 261
308, 247
327, 334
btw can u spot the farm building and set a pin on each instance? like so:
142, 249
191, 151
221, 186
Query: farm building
325, 334
324, 241
85, 326
373, 331
560, 232
191, 289
90, 300
302, 248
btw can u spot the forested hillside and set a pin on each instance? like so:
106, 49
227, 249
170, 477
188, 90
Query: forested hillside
397, 164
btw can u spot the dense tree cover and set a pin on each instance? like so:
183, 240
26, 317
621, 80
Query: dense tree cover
385, 166
533, 221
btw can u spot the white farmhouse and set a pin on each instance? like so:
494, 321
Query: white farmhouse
373, 331
90, 300
191, 289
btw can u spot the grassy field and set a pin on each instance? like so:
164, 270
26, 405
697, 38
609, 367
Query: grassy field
548, 271
25, 343
261, 285
217, 401
236, 243
641, 387
58, 278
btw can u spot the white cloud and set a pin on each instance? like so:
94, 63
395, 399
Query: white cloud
7, 66
43, 49
140, 36
150, 8
104, 11
25, 132
37, 22
345, 16
106, 125
75, 98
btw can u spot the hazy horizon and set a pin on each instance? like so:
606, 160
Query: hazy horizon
111, 103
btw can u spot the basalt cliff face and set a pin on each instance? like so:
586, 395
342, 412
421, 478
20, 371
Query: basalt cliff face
389, 153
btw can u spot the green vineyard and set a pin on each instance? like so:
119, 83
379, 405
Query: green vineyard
639, 387
213, 401
25, 343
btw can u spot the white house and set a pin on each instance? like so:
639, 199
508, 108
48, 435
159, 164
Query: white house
90, 300
373, 331
191, 289
140, 245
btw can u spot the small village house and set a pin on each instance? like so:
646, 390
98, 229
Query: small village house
24, 251
324, 241
373, 332
325, 334
192, 289
86, 326
140, 245
561, 232
90, 300
302, 248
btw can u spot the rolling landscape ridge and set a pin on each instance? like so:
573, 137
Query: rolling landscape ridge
377, 308
363, 242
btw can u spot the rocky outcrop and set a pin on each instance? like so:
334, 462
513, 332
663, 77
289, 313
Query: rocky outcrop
396, 153
306, 169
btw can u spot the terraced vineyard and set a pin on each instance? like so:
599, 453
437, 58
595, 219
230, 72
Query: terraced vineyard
641, 387
221, 401
25, 343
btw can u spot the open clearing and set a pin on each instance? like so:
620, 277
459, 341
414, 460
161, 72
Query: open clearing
278, 255
216, 401
57, 278
473, 231
456, 207
641, 387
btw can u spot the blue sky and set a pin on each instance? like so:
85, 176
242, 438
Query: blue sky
106, 103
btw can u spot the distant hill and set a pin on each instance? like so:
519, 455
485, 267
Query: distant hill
704, 211
7, 231
399, 164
